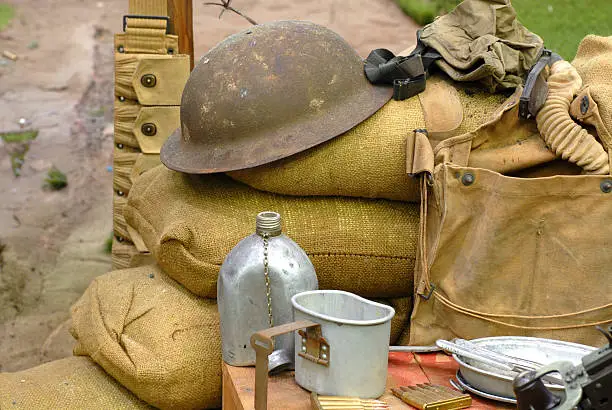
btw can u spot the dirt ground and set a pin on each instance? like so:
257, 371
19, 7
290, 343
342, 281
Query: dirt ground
52, 242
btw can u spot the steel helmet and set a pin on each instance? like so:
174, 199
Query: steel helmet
269, 92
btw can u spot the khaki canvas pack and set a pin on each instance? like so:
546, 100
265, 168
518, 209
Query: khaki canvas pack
190, 223
506, 255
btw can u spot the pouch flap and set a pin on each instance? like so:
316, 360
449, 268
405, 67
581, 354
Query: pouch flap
419, 154
160, 81
143, 163
154, 125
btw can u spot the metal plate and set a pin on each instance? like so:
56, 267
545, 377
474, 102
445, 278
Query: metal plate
465, 385
499, 382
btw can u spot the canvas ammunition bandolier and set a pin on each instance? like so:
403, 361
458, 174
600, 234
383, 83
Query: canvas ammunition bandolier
149, 79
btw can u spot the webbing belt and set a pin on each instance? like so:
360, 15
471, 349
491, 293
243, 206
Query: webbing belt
146, 29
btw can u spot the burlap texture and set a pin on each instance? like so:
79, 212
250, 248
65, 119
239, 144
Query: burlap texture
153, 336
400, 323
71, 383
190, 223
369, 160
594, 64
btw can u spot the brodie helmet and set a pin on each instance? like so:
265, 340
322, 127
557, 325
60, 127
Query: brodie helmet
269, 92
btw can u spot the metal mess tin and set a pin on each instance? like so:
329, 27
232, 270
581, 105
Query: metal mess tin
496, 382
355, 332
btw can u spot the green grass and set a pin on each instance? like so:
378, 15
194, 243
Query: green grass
424, 11
56, 179
108, 243
561, 23
18, 144
6, 14
19, 136
566, 23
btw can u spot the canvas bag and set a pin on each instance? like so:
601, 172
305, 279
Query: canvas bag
502, 255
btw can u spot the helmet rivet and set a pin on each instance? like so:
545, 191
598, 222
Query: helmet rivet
148, 80
467, 179
606, 186
149, 129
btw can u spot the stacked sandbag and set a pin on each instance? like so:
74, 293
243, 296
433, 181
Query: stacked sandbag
153, 336
159, 340
190, 223
71, 383
369, 161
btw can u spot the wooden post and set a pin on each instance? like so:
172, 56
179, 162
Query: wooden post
181, 24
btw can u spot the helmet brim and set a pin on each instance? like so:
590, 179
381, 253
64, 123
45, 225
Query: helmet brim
180, 154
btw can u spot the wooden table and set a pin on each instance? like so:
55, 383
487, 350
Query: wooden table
284, 393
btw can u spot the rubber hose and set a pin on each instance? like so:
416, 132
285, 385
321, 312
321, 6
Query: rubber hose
566, 138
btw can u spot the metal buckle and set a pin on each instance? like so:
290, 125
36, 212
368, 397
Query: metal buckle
431, 291
314, 346
408, 87
138, 16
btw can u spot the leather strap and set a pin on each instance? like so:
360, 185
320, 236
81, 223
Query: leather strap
407, 74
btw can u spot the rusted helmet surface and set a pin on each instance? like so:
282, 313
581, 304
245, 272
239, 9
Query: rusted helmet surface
269, 92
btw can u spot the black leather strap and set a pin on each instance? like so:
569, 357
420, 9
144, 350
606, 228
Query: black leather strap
407, 74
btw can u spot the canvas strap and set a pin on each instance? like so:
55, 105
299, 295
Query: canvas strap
494, 318
146, 28
420, 164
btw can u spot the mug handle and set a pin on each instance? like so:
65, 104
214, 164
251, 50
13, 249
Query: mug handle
263, 343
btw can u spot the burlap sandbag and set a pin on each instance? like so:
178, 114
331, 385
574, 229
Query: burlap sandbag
71, 383
370, 160
190, 223
153, 336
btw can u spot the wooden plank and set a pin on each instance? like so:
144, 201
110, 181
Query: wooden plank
440, 368
181, 24
405, 369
